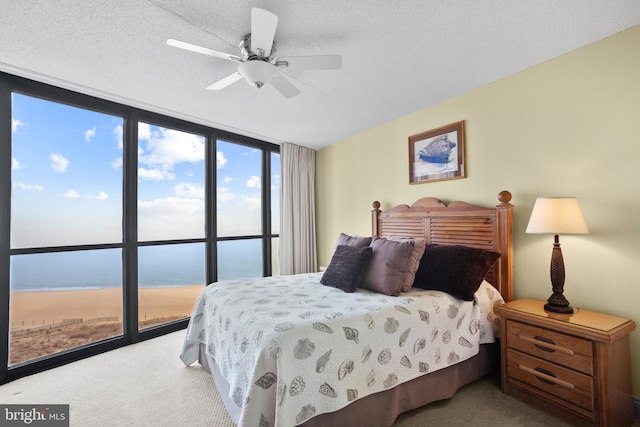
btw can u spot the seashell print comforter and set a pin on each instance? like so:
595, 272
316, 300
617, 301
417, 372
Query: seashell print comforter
291, 348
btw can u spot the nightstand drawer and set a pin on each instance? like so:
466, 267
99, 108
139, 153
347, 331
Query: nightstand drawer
572, 352
566, 384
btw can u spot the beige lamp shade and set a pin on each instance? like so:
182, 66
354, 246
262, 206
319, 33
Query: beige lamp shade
556, 215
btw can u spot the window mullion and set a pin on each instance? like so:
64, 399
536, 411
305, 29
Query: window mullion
266, 213
130, 227
5, 221
211, 232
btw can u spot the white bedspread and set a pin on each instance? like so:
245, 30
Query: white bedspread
291, 348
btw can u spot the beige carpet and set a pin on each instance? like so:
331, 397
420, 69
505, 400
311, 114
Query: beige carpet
147, 385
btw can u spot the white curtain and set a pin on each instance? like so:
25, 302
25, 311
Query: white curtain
297, 210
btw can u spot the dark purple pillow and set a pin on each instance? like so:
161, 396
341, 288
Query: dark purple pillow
346, 268
457, 270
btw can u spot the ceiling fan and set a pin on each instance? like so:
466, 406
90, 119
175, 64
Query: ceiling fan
257, 62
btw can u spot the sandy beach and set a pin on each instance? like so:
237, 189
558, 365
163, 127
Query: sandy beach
35, 308
47, 322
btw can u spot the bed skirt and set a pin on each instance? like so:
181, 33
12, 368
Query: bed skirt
381, 409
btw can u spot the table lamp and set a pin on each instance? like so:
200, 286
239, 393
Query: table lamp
557, 215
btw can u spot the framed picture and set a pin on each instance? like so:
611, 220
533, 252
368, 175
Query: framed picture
437, 154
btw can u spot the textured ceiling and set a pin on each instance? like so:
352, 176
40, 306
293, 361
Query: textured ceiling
398, 56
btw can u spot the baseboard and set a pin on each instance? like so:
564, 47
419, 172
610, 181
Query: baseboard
636, 407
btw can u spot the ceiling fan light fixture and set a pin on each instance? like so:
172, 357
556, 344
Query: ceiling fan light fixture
257, 73
258, 63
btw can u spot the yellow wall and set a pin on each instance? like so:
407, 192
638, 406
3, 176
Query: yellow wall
568, 127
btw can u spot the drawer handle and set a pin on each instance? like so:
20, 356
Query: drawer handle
546, 377
545, 344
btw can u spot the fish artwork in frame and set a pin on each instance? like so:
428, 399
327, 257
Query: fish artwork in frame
437, 154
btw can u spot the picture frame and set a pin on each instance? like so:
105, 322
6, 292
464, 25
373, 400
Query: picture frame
437, 154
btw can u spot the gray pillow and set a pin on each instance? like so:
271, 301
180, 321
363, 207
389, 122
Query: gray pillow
414, 262
355, 241
389, 262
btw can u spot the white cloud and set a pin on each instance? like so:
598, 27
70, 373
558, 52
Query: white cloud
117, 131
70, 194
144, 131
224, 194
170, 217
15, 164
172, 209
163, 149
59, 163
89, 134
220, 160
227, 179
166, 147
16, 124
101, 196
156, 174
253, 182
116, 163
249, 202
187, 189
28, 187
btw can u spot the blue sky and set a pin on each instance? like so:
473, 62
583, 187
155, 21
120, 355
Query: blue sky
67, 179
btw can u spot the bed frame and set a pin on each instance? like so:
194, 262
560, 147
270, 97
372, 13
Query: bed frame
458, 223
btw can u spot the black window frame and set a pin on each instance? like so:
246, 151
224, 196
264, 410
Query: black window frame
132, 116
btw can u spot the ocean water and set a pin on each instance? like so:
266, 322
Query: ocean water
158, 266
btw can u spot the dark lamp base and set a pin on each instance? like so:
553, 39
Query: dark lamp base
557, 303
564, 309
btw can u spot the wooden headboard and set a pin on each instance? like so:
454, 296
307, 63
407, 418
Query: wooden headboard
459, 223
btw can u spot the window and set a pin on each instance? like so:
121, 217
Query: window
65, 188
118, 218
239, 259
65, 194
170, 184
275, 212
62, 300
238, 190
170, 279
240, 193
171, 208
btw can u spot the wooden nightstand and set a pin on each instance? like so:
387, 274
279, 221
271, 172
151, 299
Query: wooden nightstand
575, 367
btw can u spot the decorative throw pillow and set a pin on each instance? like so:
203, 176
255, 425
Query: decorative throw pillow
414, 262
389, 262
355, 241
346, 268
457, 270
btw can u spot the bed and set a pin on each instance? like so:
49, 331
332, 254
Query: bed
300, 350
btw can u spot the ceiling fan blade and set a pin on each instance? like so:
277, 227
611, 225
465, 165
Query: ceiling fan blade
315, 62
284, 86
227, 81
263, 30
202, 50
